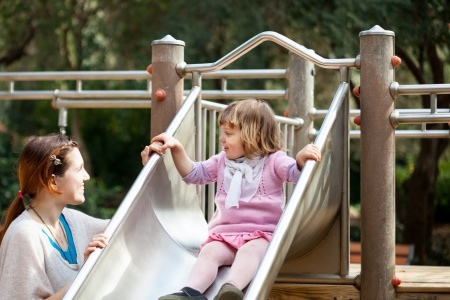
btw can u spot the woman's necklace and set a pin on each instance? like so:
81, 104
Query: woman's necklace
54, 236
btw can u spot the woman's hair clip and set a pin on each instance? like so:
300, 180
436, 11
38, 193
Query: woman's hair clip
19, 193
56, 161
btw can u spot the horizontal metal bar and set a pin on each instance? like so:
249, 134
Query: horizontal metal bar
75, 75
45, 95
321, 113
129, 94
418, 89
260, 94
297, 122
430, 134
422, 118
29, 95
64, 103
136, 94
245, 74
135, 75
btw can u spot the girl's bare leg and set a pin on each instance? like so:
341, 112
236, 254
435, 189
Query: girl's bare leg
211, 257
246, 263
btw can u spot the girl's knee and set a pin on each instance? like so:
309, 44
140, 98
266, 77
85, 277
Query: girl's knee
217, 251
255, 247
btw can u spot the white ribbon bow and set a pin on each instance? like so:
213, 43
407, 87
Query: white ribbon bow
242, 178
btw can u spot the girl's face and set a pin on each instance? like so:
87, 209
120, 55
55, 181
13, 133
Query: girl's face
231, 141
71, 185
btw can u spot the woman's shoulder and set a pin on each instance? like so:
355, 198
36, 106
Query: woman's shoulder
22, 228
77, 218
75, 214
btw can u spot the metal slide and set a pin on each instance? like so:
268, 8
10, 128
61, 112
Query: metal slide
156, 231
154, 234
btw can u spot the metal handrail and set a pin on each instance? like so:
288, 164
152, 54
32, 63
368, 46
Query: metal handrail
277, 38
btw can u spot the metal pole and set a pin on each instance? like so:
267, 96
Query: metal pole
377, 165
167, 85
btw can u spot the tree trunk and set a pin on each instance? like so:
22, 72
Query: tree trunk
420, 188
78, 137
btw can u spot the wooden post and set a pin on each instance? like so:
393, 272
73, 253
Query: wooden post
167, 85
377, 165
301, 97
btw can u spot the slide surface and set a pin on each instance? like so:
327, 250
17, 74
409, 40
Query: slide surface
156, 232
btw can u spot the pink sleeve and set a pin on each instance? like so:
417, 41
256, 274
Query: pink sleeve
204, 172
286, 167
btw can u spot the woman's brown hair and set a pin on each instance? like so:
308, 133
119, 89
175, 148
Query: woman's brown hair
41, 158
259, 130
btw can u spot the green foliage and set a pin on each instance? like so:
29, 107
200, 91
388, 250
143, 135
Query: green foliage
101, 200
58, 35
8, 183
442, 196
440, 246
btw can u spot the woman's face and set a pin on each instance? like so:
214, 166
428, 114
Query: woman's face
231, 141
71, 184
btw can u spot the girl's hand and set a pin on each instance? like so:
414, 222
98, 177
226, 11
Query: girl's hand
160, 144
98, 241
310, 151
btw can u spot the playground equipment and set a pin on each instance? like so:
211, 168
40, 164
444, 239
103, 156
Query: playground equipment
152, 248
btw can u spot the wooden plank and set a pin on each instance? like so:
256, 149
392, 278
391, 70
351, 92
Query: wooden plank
418, 283
402, 253
285, 291
422, 296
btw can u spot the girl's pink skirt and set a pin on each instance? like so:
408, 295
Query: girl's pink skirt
237, 240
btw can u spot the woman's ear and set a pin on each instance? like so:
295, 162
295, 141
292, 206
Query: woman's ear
53, 182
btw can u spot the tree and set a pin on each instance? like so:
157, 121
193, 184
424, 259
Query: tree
56, 35
422, 39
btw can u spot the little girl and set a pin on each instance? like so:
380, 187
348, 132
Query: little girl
250, 173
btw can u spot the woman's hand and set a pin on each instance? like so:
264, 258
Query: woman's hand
310, 151
98, 241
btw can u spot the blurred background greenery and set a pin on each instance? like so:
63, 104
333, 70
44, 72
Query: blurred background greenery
55, 35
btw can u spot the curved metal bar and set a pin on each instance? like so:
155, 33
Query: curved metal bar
277, 38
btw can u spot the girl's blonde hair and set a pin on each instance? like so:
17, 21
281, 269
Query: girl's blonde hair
259, 129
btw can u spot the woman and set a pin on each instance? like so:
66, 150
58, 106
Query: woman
43, 244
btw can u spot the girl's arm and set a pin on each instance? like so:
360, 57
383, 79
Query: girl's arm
160, 144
